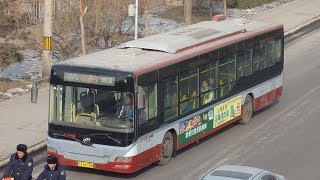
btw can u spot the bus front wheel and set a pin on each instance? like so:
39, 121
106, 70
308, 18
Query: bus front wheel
167, 149
247, 110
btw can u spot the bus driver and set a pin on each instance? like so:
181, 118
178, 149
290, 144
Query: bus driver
126, 111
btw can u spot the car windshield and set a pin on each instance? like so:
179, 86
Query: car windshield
90, 108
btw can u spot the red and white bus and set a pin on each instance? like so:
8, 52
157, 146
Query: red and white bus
125, 108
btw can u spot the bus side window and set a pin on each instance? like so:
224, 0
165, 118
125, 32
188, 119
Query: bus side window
189, 94
227, 70
278, 45
170, 98
263, 52
214, 78
208, 81
255, 55
274, 47
151, 110
240, 59
271, 50
147, 116
260, 52
248, 57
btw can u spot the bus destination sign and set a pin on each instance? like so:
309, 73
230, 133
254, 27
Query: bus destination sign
89, 79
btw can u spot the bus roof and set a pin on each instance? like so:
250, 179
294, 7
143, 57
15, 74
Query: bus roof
160, 50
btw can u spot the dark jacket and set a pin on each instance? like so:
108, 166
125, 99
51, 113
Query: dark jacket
57, 174
19, 169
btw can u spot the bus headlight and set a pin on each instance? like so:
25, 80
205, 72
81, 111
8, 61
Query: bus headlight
123, 159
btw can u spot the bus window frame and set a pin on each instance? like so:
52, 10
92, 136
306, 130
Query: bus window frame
211, 59
146, 80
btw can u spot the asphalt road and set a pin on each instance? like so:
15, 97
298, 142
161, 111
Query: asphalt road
283, 138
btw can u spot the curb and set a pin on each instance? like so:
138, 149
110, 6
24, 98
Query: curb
31, 149
301, 27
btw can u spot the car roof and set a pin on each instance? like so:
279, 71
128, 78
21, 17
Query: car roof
232, 172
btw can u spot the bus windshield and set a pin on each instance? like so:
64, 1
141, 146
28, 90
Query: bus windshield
90, 108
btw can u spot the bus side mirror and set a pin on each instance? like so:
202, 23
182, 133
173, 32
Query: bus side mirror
141, 98
34, 93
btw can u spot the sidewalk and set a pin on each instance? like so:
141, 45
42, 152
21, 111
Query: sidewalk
24, 122
292, 15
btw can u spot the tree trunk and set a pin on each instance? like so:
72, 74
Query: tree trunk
146, 13
199, 5
210, 9
187, 12
225, 8
82, 28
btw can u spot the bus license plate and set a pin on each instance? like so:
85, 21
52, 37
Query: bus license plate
85, 164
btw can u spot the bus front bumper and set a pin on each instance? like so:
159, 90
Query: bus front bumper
136, 162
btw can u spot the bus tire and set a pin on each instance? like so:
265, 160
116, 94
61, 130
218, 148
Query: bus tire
247, 110
167, 149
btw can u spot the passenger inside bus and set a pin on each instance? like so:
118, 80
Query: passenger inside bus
207, 92
170, 100
126, 110
212, 82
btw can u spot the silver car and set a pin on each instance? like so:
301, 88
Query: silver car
228, 172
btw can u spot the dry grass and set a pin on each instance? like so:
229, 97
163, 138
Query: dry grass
245, 4
5, 85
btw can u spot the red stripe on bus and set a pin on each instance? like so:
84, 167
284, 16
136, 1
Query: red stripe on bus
138, 161
267, 99
207, 48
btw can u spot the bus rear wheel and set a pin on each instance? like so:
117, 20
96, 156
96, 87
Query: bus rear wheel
247, 110
167, 149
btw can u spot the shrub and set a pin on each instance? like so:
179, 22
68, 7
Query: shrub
245, 4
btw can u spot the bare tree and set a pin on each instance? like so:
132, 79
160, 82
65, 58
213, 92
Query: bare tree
225, 7
211, 6
188, 12
82, 12
146, 8
103, 22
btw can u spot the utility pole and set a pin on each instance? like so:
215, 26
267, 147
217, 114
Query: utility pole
47, 38
82, 12
146, 13
136, 20
225, 8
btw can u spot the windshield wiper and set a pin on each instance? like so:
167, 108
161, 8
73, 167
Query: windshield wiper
76, 139
108, 136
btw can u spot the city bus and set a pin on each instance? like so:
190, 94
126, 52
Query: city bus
127, 107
